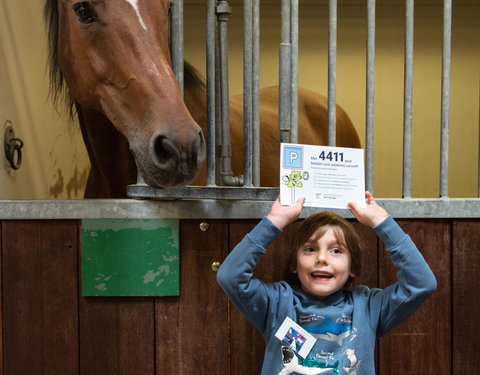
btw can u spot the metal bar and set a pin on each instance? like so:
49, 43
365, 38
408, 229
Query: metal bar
176, 26
294, 72
218, 112
211, 134
223, 11
370, 96
478, 175
215, 209
247, 91
447, 36
407, 102
256, 93
284, 74
332, 73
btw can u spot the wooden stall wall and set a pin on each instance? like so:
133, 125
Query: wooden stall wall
47, 327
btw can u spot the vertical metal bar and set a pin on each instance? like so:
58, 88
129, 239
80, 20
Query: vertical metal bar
407, 103
332, 72
256, 93
176, 49
223, 11
478, 140
210, 92
294, 72
447, 36
218, 112
369, 134
247, 91
176, 27
284, 74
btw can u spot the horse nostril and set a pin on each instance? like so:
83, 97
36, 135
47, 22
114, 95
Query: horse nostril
164, 152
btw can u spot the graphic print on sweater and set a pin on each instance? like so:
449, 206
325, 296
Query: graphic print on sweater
329, 330
309, 366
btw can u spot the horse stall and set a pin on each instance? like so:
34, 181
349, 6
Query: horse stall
155, 307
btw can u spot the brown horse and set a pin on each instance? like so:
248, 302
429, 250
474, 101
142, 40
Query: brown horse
111, 59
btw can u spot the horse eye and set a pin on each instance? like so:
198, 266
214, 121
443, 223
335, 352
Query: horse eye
85, 12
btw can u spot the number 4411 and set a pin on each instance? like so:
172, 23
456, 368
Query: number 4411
331, 156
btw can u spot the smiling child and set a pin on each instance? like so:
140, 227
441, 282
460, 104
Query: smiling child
323, 326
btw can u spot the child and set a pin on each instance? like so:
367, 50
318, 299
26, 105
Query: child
326, 257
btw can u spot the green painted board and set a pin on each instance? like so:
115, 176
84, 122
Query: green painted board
130, 257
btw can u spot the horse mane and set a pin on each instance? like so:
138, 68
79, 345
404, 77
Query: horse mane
58, 90
192, 80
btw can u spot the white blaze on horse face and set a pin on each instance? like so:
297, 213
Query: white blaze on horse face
134, 4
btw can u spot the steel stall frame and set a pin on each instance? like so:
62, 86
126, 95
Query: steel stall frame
288, 83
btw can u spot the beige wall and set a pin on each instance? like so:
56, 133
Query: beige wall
54, 163
54, 160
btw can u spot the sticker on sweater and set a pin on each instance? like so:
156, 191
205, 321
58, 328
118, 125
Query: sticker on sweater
299, 340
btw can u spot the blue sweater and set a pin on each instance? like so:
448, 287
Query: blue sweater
345, 324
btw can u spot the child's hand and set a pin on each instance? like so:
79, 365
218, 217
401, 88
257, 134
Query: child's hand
372, 215
281, 216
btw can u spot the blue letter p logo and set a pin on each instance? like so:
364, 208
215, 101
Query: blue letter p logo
293, 157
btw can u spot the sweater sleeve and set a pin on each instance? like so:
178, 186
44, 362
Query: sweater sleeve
250, 295
416, 282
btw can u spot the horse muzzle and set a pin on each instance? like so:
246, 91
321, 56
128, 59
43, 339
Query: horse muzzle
171, 163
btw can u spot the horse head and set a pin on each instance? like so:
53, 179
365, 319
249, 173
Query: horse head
114, 58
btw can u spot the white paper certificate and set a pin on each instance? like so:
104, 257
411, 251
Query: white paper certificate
328, 177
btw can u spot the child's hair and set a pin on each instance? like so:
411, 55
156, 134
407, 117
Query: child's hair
317, 224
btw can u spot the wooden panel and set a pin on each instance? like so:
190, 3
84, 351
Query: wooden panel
466, 296
40, 294
421, 345
192, 329
117, 335
1, 302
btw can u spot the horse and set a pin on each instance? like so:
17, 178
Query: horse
110, 61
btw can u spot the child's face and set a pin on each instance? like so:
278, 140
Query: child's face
323, 265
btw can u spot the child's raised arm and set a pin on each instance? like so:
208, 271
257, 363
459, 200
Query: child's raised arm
371, 215
281, 216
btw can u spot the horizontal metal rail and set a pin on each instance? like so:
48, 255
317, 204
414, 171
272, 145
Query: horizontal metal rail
216, 209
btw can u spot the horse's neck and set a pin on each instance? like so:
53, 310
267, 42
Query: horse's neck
112, 164
195, 100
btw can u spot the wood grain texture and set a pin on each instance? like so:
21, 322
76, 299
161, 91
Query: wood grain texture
117, 335
421, 344
192, 330
1, 302
47, 328
40, 297
466, 296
